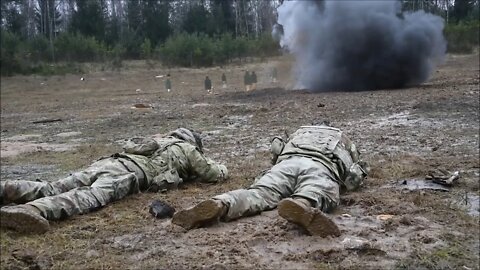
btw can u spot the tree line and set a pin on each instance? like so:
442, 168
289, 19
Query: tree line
176, 32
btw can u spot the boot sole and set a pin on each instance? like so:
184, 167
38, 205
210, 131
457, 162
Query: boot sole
197, 216
312, 220
23, 222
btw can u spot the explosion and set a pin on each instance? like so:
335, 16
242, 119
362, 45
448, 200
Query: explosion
359, 45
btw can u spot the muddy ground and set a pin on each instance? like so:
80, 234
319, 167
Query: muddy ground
402, 133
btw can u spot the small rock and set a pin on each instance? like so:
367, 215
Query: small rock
92, 254
356, 243
384, 217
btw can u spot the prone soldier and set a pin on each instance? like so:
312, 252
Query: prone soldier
146, 164
309, 171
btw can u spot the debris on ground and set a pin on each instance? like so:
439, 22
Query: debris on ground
443, 177
384, 217
160, 209
47, 121
355, 243
142, 106
418, 184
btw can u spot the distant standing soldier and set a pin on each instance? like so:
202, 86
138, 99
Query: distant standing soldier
168, 83
254, 80
274, 75
208, 85
247, 80
224, 81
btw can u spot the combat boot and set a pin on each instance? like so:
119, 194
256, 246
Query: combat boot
300, 212
201, 214
23, 218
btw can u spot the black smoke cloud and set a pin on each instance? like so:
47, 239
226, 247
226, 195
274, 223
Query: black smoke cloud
348, 45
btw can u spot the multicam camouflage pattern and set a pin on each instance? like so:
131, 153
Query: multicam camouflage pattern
294, 177
314, 164
156, 164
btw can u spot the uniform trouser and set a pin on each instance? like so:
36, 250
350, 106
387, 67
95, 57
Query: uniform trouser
294, 177
102, 182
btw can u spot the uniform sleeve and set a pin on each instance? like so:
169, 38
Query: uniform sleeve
351, 148
205, 169
358, 170
139, 146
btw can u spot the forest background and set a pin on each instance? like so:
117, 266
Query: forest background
56, 36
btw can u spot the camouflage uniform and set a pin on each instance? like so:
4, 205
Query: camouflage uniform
154, 164
312, 167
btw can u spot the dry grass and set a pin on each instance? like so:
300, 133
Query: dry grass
395, 167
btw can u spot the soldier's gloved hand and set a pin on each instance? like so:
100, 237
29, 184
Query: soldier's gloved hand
356, 173
166, 181
224, 171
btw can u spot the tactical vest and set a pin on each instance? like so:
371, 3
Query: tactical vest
154, 165
321, 143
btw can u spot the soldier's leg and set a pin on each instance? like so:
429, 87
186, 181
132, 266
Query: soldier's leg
318, 185
316, 191
115, 182
21, 191
263, 195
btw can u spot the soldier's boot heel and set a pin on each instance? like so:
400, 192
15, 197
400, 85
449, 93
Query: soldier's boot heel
201, 214
311, 219
23, 218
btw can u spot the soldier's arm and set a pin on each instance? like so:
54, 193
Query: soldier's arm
351, 148
359, 169
205, 169
139, 146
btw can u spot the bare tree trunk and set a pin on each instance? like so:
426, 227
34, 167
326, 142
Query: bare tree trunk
51, 19
236, 18
245, 13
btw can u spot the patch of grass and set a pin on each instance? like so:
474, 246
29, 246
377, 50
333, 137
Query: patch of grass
452, 256
397, 167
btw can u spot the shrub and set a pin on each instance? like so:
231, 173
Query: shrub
146, 49
462, 37
9, 47
75, 47
195, 50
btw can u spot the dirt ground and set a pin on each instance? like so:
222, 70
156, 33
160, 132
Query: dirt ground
402, 133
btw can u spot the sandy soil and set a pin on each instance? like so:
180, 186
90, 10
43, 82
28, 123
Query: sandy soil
402, 133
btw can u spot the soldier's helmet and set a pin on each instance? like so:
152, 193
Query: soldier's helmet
188, 135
